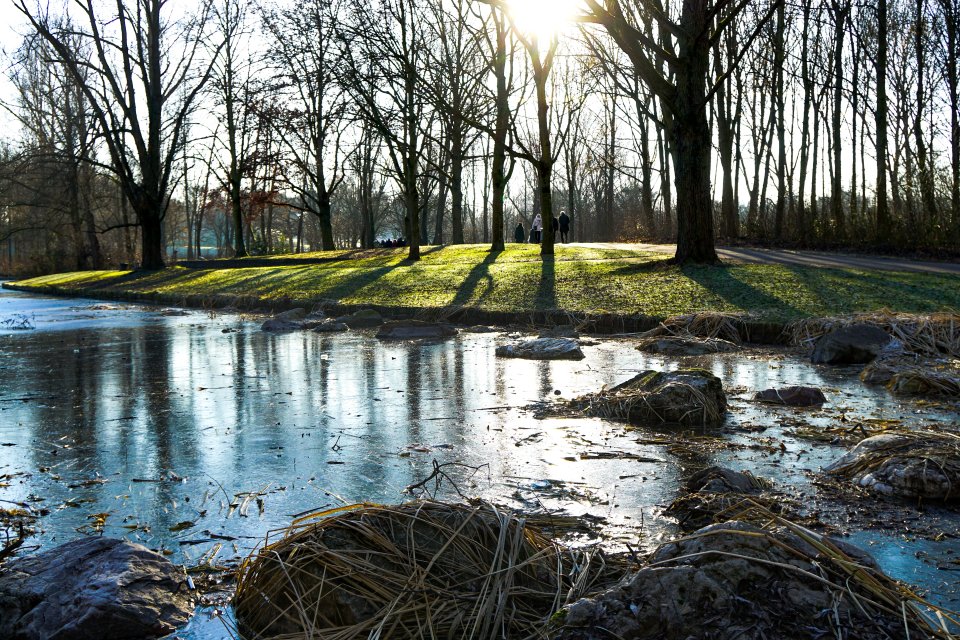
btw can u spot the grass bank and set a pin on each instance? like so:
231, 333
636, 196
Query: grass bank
581, 280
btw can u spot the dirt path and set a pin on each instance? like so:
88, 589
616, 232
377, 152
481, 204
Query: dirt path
802, 258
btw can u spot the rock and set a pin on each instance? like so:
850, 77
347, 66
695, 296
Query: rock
173, 313
855, 344
415, 330
914, 464
293, 315
686, 346
561, 331
542, 349
723, 480
480, 328
93, 589
912, 375
733, 580
362, 319
792, 396
275, 325
331, 326
687, 397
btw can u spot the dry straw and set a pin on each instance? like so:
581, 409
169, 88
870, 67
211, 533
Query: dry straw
419, 570
875, 594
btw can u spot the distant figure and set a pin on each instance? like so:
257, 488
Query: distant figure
519, 235
536, 229
554, 225
564, 227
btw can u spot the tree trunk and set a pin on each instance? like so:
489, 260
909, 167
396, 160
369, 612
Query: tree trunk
498, 169
840, 16
692, 143
779, 55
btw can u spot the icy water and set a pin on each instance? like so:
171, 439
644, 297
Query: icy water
197, 434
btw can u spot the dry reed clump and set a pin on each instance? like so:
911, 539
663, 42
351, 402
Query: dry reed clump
419, 570
908, 464
688, 397
706, 324
933, 335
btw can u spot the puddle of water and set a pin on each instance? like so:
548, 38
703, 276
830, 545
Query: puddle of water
165, 422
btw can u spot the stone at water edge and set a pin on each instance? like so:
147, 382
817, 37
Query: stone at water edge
906, 465
542, 349
856, 344
723, 480
415, 330
792, 396
362, 319
687, 397
93, 589
293, 315
275, 325
331, 326
682, 346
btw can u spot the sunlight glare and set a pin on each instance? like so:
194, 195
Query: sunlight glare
542, 18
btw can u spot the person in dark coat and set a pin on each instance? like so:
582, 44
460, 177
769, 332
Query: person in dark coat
519, 235
554, 226
564, 226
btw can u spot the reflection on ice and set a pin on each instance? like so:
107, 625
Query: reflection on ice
159, 420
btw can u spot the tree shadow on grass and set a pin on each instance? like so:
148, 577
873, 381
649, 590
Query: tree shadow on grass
910, 292
480, 273
546, 296
737, 293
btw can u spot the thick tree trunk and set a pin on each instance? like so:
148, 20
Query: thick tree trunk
545, 164
840, 11
778, 63
498, 168
692, 147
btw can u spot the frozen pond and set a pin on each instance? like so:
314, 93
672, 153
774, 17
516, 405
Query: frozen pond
162, 422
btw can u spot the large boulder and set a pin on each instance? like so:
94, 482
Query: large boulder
854, 344
792, 396
906, 464
362, 319
686, 346
542, 349
93, 589
736, 580
415, 330
687, 397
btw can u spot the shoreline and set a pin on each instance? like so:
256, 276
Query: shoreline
769, 333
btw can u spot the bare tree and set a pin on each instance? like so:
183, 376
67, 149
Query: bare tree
144, 77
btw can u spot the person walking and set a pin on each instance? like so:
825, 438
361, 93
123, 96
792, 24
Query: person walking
564, 227
536, 228
519, 235
554, 226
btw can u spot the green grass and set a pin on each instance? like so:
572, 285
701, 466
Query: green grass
580, 279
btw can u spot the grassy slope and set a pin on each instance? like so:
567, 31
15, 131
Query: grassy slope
578, 279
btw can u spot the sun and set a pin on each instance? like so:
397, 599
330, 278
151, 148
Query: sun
542, 18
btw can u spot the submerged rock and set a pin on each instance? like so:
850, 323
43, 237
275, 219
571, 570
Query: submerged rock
93, 589
792, 396
714, 493
906, 464
331, 326
735, 580
855, 344
415, 330
686, 346
687, 397
362, 319
275, 325
723, 480
543, 349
